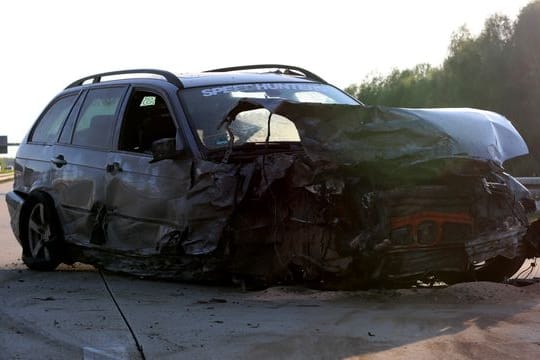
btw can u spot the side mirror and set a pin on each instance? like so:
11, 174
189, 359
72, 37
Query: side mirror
164, 149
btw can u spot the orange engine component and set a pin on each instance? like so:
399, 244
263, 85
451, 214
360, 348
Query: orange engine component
427, 228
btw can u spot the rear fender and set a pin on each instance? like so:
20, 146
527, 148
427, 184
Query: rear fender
15, 203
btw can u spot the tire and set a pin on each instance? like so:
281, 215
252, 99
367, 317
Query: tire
42, 235
497, 269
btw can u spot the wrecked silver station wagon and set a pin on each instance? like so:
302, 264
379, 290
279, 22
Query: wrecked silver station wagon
267, 174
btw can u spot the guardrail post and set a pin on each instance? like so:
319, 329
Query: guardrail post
4, 144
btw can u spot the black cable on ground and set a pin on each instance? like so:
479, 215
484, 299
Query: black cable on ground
137, 343
530, 268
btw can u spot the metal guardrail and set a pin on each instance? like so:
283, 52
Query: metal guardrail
6, 177
531, 183
529, 180
4, 144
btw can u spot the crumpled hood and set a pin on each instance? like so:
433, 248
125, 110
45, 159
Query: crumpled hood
476, 133
353, 134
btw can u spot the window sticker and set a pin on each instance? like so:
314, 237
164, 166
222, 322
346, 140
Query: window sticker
259, 87
148, 101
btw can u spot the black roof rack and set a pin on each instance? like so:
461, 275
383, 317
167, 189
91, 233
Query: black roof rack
288, 70
170, 77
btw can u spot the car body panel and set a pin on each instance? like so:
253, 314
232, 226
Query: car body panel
78, 186
140, 202
15, 203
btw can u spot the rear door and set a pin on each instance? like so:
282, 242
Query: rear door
80, 161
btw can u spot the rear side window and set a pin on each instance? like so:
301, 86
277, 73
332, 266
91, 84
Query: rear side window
96, 121
48, 128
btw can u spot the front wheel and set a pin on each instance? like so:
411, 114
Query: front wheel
498, 269
43, 237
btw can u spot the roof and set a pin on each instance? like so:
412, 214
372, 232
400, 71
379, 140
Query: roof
232, 75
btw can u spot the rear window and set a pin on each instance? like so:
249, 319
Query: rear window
50, 123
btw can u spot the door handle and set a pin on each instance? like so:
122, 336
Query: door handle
114, 167
59, 161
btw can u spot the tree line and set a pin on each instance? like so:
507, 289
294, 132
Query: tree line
498, 70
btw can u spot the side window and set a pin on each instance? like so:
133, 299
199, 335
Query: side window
48, 128
67, 130
95, 124
147, 119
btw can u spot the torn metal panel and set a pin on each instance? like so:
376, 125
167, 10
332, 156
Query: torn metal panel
507, 243
216, 190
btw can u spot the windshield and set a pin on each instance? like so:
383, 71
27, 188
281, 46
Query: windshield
208, 107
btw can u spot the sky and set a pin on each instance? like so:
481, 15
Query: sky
48, 44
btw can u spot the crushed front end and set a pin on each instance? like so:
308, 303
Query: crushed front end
342, 230
342, 196
364, 205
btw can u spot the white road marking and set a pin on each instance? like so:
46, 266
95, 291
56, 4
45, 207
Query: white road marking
110, 353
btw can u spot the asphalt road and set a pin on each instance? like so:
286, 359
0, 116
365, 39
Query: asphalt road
70, 314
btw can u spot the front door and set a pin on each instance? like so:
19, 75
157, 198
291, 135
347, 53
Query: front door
142, 197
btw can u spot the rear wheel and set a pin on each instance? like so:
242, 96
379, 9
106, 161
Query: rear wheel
43, 237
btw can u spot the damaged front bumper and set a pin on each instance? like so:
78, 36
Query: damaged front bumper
358, 237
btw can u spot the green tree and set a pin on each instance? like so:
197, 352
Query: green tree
470, 76
497, 70
473, 73
411, 87
523, 96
